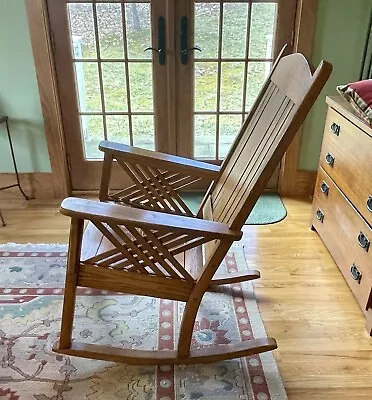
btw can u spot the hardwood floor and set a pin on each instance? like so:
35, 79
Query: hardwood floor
324, 351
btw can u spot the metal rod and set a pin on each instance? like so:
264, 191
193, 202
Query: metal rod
14, 160
2, 218
9, 186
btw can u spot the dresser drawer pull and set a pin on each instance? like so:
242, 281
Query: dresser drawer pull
363, 241
330, 160
335, 129
369, 203
324, 188
319, 215
355, 273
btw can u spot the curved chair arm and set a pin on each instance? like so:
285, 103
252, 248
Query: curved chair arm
127, 216
156, 177
160, 160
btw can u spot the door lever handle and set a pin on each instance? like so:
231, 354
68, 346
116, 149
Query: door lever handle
153, 49
161, 41
194, 48
184, 42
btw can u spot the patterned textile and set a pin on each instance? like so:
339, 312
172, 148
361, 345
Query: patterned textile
359, 95
31, 289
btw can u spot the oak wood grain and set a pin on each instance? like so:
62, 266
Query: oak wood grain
38, 18
339, 230
351, 149
160, 160
170, 357
106, 212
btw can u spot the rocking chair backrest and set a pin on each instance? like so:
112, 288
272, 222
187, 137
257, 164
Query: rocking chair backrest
264, 137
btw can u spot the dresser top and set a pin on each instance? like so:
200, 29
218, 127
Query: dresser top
345, 109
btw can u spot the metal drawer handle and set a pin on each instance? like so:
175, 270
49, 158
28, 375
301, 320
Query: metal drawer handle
355, 273
330, 160
319, 215
324, 188
335, 129
363, 241
369, 203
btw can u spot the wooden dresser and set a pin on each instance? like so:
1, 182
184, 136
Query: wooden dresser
342, 207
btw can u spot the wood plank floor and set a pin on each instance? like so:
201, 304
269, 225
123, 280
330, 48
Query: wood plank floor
324, 351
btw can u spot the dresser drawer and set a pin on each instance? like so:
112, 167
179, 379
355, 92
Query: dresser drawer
346, 235
346, 156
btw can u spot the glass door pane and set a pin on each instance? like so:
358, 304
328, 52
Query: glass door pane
237, 41
112, 83
113, 73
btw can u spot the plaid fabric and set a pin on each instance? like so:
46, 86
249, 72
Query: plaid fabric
359, 95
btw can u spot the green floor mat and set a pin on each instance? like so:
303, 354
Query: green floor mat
269, 208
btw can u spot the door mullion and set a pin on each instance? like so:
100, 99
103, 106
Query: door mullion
219, 75
171, 41
185, 82
163, 77
246, 63
127, 77
100, 75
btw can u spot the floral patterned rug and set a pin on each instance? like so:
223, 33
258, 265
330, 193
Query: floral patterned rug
31, 289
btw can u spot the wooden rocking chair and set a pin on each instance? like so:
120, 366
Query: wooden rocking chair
143, 249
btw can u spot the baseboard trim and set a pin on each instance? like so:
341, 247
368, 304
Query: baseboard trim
36, 185
39, 185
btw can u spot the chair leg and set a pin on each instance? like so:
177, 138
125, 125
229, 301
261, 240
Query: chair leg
369, 323
105, 180
187, 326
76, 233
192, 305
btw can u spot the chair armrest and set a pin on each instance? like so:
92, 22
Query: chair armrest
121, 215
160, 160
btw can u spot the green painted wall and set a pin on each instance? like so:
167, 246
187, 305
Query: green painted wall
19, 96
341, 30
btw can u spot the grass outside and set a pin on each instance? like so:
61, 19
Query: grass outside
140, 74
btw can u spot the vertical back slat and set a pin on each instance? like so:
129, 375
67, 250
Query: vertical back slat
288, 96
247, 154
272, 89
254, 172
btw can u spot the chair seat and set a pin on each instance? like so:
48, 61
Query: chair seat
94, 243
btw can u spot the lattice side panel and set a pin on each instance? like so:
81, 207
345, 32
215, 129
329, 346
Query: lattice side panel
154, 189
144, 250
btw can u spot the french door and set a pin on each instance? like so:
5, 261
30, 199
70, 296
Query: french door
175, 76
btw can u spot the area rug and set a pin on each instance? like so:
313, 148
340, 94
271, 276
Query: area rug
269, 208
31, 289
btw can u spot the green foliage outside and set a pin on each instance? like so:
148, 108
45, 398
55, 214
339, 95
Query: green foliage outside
140, 74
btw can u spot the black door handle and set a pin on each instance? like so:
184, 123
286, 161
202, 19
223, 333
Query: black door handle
185, 42
161, 41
